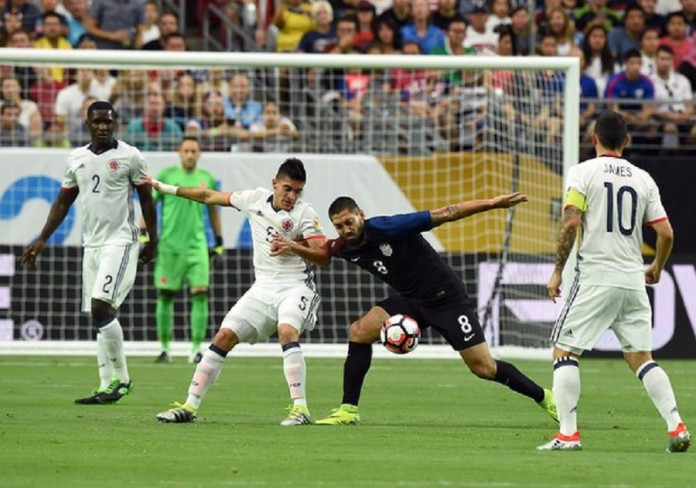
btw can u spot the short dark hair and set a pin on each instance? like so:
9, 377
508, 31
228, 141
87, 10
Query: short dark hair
517, 9
457, 18
348, 18
174, 35
676, 14
632, 53
665, 49
8, 105
631, 7
169, 12
341, 204
611, 130
649, 29
292, 168
100, 105
190, 138
51, 13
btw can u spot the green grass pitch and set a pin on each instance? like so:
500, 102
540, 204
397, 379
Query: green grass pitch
425, 424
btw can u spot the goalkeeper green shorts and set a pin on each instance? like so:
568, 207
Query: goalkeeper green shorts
172, 269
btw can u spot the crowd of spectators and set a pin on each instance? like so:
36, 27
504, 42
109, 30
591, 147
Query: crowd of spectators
638, 58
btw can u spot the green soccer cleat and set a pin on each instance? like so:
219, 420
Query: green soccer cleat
346, 414
106, 396
548, 404
178, 414
115, 391
299, 415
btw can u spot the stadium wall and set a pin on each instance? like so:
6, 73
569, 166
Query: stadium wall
31, 179
29, 185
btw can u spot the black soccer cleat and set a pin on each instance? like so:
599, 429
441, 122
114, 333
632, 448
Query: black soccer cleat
115, 391
163, 358
93, 399
106, 396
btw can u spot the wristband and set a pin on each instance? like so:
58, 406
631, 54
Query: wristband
167, 189
218, 241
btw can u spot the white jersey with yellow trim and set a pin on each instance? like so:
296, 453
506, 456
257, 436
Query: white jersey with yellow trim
618, 199
106, 183
299, 223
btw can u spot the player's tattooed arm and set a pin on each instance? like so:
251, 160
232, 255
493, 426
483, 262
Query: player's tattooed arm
569, 231
462, 210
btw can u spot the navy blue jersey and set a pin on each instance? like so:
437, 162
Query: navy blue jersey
394, 251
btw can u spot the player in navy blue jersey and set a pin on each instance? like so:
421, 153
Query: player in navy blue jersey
393, 250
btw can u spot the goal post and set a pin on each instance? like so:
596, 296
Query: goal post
476, 126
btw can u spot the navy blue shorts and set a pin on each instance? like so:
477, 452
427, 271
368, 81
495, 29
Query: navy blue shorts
453, 317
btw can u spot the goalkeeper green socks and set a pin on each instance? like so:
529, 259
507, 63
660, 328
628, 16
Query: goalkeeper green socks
199, 319
164, 315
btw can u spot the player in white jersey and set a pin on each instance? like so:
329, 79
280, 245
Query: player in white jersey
283, 298
608, 200
104, 174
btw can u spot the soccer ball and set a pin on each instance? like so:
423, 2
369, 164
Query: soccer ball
400, 334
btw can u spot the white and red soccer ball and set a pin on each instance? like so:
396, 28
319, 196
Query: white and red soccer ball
400, 334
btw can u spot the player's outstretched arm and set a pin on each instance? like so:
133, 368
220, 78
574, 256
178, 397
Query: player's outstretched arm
59, 210
663, 248
147, 205
203, 195
462, 210
315, 250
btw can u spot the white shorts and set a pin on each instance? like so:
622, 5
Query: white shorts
592, 309
108, 274
255, 317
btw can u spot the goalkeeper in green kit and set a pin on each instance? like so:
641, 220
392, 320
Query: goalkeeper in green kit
183, 253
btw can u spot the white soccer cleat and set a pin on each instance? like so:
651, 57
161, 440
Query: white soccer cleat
298, 415
179, 414
562, 442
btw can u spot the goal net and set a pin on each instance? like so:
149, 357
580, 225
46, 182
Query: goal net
398, 133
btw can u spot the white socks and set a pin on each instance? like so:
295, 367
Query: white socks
105, 369
112, 338
295, 372
206, 373
566, 390
656, 383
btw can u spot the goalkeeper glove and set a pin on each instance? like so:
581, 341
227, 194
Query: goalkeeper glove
144, 238
217, 250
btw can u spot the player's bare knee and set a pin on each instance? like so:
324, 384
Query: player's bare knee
287, 333
225, 339
364, 331
484, 370
199, 290
636, 359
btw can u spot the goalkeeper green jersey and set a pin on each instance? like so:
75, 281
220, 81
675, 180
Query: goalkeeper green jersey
183, 222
